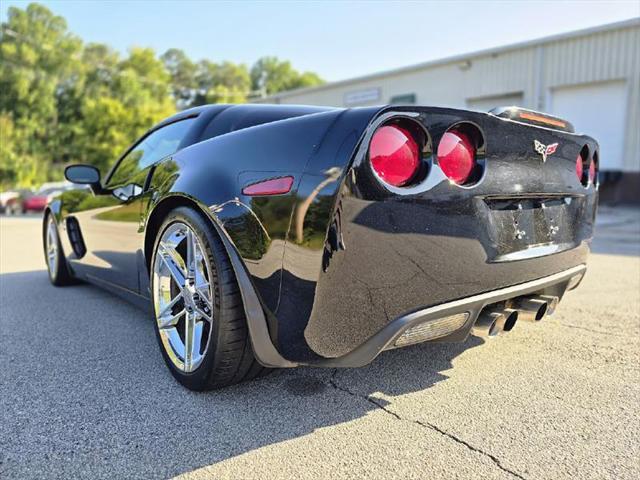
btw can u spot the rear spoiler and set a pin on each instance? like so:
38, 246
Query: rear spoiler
532, 117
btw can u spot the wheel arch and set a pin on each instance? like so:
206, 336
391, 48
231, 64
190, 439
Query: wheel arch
156, 216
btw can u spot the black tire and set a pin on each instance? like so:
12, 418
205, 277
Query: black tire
229, 358
59, 274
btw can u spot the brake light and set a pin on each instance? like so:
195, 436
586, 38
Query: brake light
394, 155
542, 119
457, 156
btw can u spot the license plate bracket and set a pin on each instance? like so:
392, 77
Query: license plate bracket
528, 227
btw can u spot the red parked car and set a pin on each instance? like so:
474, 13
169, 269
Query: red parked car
39, 200
36, 203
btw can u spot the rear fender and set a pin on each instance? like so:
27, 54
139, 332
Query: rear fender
214, 173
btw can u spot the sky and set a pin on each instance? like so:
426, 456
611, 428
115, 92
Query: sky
337, 40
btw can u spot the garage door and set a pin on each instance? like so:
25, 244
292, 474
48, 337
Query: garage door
598, 110
484, 104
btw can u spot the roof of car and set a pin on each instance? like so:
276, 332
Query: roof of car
228, 118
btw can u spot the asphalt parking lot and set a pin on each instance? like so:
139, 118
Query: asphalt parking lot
84, 391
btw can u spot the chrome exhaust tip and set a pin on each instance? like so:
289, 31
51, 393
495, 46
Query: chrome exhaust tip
532, 309
511, 316
552, 302
493, 322
486, 325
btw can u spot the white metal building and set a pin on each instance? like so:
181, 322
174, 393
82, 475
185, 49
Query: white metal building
590, 77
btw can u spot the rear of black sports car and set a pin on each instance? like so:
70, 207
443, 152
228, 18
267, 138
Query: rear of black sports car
326, 235
354, 231
444, 222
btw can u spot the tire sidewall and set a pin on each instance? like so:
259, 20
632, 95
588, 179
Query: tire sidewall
198, 379
55, 274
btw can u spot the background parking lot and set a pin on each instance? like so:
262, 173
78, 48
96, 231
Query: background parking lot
84, 391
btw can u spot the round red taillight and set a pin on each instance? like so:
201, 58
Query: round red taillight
394, 155
579, 168
584, 166
457, 156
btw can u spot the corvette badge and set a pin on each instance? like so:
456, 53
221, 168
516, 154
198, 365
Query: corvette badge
545, 150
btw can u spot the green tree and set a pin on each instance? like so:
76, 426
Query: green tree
183, 75
134, 96
100, 69
307, 79
38, 63
8, 153
222, 83
270, 75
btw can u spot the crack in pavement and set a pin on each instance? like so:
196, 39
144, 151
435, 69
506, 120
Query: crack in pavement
592, 330
373, 401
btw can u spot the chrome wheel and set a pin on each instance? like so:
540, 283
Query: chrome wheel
182, 296
52, 247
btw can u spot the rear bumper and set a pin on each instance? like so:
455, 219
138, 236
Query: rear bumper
403, 255
268, 355
553, 285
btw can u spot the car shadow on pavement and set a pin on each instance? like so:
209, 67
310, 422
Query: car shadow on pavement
86, 393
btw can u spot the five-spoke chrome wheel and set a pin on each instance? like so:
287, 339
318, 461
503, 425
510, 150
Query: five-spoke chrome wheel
51, 247
182, 296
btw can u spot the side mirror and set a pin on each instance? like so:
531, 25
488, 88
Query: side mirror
82, 174
85, 175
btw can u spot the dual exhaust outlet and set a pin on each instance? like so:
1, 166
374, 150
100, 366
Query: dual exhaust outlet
493, 321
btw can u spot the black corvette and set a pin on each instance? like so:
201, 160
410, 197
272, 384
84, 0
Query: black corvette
276, 236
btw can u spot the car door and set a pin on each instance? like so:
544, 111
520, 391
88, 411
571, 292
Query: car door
110, 221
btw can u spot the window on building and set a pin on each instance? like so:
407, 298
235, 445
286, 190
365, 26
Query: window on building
484, 104
406, 99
